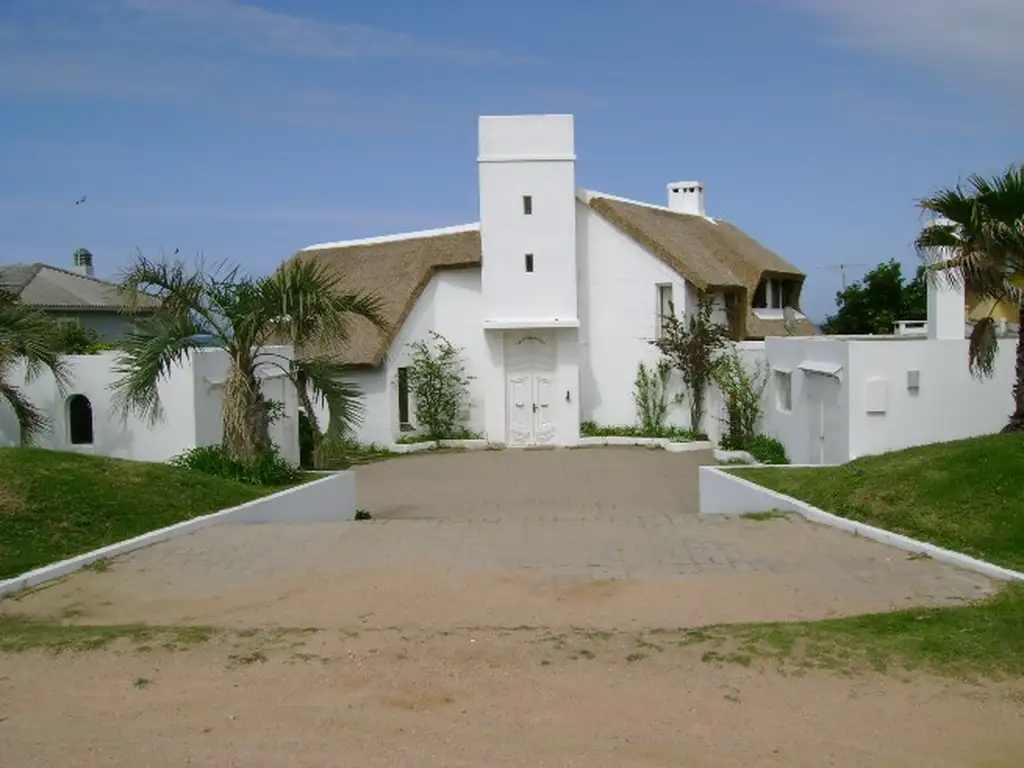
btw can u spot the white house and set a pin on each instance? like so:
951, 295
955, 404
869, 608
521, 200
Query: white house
553, 295
74, 294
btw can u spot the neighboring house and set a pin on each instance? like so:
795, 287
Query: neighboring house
554, 295
73, 294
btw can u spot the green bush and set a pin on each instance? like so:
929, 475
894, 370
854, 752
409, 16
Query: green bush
593, 429
767, 450
268, 469
73, 338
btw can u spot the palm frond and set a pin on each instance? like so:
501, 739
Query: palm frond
325, 376
31, 420
182, 291
309, 304
160, 341
982, 348
28, 335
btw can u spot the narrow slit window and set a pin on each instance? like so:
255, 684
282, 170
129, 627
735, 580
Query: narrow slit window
529, 262
403, 397
527, 205
665, 309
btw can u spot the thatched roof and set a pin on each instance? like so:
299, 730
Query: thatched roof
711, 254
396, 269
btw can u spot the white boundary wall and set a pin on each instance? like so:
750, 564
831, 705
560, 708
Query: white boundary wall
190, 397
328, 500
722, 493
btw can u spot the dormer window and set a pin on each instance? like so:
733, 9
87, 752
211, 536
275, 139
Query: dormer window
774, 293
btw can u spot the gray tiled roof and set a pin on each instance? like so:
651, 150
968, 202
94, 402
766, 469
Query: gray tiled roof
48, 287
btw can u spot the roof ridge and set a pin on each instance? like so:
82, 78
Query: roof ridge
79, 274
586, 195
397, 237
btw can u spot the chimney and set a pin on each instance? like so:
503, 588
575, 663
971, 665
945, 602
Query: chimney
686, 197
947, 314
947, 310
83, 262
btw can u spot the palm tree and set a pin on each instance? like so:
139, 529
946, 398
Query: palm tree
311, 309
242, 316
28, 337
977, 238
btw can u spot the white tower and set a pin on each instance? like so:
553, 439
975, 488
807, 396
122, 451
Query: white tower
527, 169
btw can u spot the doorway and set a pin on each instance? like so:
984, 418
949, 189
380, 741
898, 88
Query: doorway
530, 386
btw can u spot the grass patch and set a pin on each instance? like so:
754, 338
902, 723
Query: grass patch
56, 505
985, 638
965, 495
765, 516
592, 429
21, 633
342, 454
462, 434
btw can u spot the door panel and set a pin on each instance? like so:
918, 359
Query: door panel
544, 423
520, 410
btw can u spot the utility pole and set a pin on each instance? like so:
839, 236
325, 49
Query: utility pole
842, 267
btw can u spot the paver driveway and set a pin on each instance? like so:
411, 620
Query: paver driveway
596, 537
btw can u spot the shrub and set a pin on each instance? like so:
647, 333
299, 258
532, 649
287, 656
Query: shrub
439, 386
692, 345
767, 450
73, 338
650, 394
266, 469
680, 434
743, 390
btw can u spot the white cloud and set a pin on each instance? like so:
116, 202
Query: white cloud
223, 54
967, 40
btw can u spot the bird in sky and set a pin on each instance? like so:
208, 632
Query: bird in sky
80, 201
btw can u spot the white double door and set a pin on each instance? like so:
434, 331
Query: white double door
530, 418
531, 392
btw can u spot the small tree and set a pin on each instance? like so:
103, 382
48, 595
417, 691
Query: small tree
743, 389
439, 386
692, 345
650, 394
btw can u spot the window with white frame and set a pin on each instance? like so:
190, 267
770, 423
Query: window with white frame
783, 390
665, 308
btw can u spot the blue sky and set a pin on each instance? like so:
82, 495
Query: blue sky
246, 130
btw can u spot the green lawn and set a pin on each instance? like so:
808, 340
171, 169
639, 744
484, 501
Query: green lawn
57, 505
984, 639
966, 495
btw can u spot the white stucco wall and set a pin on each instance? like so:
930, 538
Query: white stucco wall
451, 305
528, 155
618, 318
189, 395
794, 428
948, 405
872, 409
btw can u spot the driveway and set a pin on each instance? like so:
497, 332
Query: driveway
605, 537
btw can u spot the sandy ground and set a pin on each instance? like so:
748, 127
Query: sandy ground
474, 630
518, 698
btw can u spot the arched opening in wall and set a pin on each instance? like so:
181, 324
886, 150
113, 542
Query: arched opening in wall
80, 420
